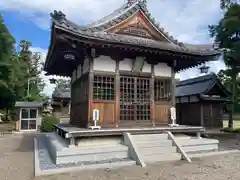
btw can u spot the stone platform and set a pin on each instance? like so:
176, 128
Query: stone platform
56, 152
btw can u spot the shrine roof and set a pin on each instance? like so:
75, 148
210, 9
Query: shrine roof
98, 30
61, 93
102, 36
198, 86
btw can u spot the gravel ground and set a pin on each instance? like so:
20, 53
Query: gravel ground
16, 163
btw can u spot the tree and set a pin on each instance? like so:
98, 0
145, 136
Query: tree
227, 3
32, 66
6, 51
227, 35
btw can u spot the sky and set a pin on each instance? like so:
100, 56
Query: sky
185, 20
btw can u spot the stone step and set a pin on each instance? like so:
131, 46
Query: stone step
92, 150
194, 142
98, 141
98, 157
162, 157
161, 143
199, 148
150, 137
157, 150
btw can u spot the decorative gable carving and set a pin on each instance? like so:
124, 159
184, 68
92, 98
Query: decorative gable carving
136, 29
137, 25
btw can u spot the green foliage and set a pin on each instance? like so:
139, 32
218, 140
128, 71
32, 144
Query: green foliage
48, 122
227, 3
231, 130
19, 71
6, 51
227, 35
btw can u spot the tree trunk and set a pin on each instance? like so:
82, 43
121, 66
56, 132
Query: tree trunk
6, 115
230, 121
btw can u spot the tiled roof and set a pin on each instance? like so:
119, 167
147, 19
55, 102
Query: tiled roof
194, 86
133, 40
97, 31
124, 12
61, 93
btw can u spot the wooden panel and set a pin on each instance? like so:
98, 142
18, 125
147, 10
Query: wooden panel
162, 113
189, 114
107, 113
79, 115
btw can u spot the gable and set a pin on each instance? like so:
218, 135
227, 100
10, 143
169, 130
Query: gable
216, 90
138, 25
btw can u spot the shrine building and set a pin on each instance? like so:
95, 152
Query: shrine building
123, 64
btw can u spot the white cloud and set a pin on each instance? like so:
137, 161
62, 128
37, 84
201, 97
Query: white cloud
186, 20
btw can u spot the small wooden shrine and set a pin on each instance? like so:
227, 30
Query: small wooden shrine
123, 64
200, 101
61, 100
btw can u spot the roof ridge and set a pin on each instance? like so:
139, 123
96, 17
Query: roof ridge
103, 24
123, 7
196, 80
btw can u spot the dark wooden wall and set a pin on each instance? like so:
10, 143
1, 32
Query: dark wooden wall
79, 107
188, 114
207, 114
83, 100
212, 114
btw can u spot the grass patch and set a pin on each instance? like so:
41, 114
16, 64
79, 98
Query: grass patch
231, 130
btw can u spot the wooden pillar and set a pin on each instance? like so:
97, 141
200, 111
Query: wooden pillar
173, 87
117, 91
90, 84
201, 114
152, 101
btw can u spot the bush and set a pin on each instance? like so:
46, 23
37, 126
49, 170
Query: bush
48, 122
231, 130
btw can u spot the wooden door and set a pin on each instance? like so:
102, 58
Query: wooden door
134, 98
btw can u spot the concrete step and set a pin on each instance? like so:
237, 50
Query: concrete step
62, 154
92, 150
194, 142
98, 141
97, 157
152, 144
157, 150
162, 157
199, 148
150, 137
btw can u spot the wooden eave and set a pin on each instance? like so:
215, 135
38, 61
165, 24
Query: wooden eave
184, 59
109, 39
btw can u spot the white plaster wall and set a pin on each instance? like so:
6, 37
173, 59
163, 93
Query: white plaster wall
79, 71
126, 65
193, 99
104, 63
162, 69
146, 67
184, 99
86, 66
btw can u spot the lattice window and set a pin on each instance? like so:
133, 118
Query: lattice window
127, 96
134, 98
103, 88
162, 89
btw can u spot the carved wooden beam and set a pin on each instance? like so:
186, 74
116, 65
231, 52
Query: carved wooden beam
138, 64
92, 52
